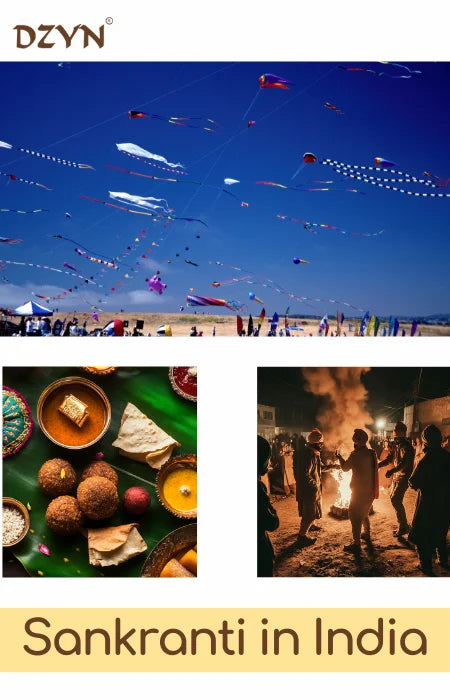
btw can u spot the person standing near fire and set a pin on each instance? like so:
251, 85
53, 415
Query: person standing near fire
364, 487
401, 457
267, 515
308, 467
431, 520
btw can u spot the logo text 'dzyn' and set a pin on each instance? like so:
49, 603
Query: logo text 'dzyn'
48, 35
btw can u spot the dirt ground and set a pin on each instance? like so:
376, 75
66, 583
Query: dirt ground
181, 323
388, 555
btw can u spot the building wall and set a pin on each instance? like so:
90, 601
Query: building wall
435, 411
266, 421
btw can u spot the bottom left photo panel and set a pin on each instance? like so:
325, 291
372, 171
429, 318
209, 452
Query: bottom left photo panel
99, 472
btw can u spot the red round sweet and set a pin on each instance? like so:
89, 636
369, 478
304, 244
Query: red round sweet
136, 501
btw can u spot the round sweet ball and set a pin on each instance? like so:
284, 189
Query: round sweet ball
136, 501
100, 468
64, 515
98, 497
57, 477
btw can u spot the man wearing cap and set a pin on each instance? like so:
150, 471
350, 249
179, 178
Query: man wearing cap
401, 457
364, 487
308, 479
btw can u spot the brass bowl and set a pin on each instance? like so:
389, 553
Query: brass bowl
100, 370
175, 543
69, 382
180, 462
20, 507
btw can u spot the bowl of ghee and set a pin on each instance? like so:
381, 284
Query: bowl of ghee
176, 486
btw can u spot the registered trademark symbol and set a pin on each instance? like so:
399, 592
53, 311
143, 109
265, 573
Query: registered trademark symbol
109, 20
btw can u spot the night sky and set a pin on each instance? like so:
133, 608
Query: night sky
79, 111
389, 388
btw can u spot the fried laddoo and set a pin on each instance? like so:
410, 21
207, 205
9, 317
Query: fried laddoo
64, 515
100, 468
98, 497
57, 477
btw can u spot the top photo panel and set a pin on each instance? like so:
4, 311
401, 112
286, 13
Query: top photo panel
224, 199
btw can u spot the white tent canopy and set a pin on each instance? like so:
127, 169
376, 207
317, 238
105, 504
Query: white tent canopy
31, 308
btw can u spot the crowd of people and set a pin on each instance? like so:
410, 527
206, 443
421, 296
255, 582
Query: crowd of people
295, 465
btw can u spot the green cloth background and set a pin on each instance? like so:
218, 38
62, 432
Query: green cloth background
149, 389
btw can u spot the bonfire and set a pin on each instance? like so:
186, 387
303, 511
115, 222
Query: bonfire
339, 508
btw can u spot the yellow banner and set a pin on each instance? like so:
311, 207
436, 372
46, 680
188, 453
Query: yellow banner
224, 639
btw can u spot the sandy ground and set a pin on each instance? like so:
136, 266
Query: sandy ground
181, 323
388, 556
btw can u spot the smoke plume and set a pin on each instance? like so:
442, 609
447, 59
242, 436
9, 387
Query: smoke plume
344, 407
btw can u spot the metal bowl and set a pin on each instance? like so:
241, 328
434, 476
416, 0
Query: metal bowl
178, 389
68, 382
180, 462
171, 546
20, 507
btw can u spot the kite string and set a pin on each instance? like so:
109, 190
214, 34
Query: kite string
251, 103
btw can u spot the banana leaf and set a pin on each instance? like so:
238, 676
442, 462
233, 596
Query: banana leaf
149, 389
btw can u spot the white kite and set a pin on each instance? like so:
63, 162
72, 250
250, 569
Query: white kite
138, 201
134, 151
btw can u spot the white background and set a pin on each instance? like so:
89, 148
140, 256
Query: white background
200, 30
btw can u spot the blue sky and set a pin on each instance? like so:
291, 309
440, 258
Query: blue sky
79, 112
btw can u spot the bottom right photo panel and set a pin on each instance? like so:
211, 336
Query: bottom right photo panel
353, 471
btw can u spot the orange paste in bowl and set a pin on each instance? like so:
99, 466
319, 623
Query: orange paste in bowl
61, 428
180, 489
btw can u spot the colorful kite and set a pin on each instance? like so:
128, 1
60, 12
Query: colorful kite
383, 163
193, 300
274, 184
79, 245
301, 188
131, 149
250, 123
268, 80
55, 159
106, 263
360, 172
156, 285
10, 241
333, 107
253, 297
299, 261
311, 226
181, 121
153, 177
14, 178
137, 115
